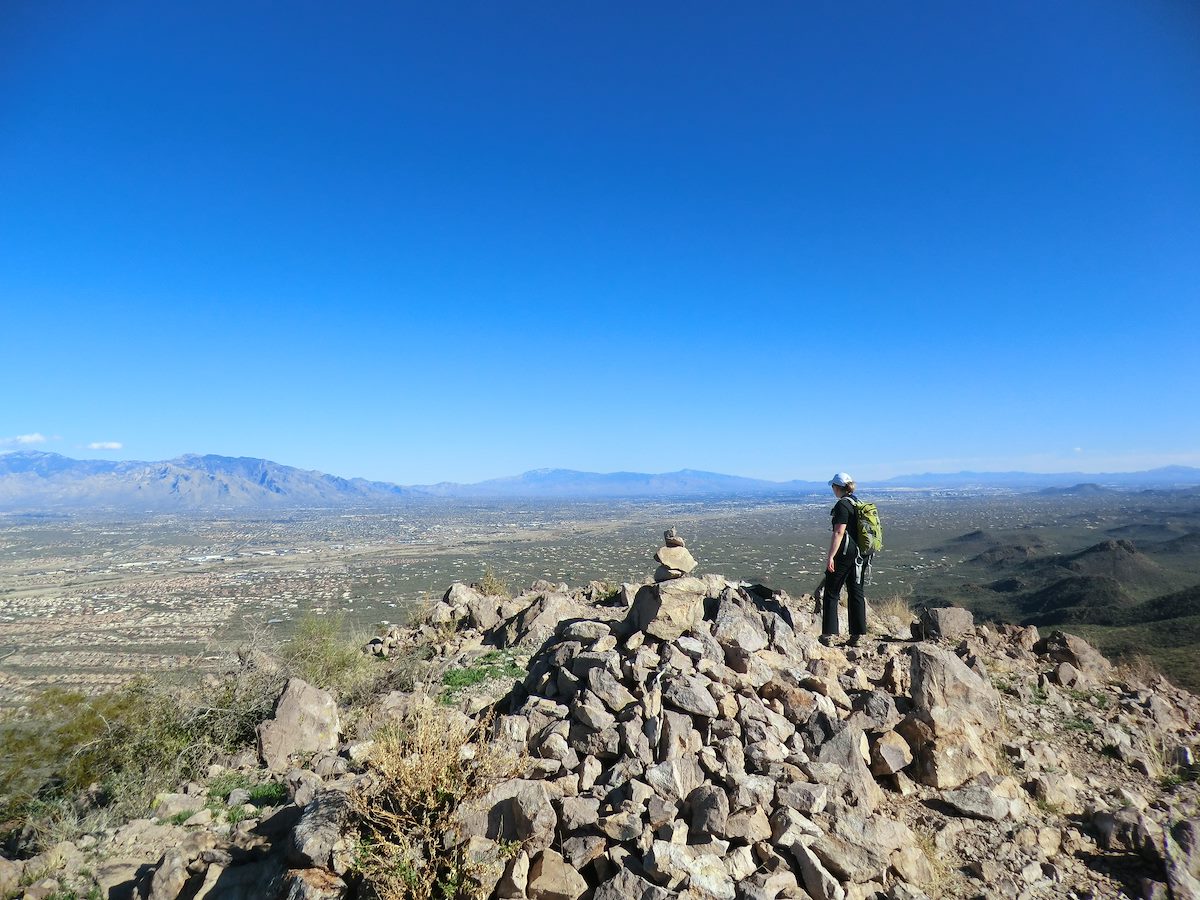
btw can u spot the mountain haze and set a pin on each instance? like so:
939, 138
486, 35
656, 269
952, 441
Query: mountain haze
34, 479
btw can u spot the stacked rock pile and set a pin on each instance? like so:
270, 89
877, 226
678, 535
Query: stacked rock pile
673, 558
707, 742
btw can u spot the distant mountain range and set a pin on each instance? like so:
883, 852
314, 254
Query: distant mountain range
32, 480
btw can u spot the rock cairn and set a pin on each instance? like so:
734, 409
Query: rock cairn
673, 558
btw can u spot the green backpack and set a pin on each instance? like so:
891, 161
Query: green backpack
868, 531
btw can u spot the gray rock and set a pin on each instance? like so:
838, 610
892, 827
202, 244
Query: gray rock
677, 558
1062, 647
710, 811
674, 779
948, 624
704, 874
169, 877
818, 881
1181, 857
550, 878
582, 849
578, 813
875, 711
516, 810
737, 627
849, 751
689, 694
305, 721
625, 885
669, 609
609, 690
860, 849
977, 802
889, 754
537, 622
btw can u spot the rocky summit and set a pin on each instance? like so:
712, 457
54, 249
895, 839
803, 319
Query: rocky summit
691, 738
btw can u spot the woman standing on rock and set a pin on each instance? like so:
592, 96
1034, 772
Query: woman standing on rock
843, 566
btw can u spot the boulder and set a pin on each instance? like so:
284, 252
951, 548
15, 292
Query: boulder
849, 750
977, 801
625, 885
516, 810
1181, 856
889, 754
818, 881
676, 558
737, 627
532, 626
948, 623
704, 874
551, 878
668, 609
1067, 648
305, 721
320, 827
690, 695
955, 713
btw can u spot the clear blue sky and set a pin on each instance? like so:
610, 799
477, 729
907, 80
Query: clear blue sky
460, 240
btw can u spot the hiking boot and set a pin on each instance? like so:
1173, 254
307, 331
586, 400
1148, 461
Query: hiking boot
826, 640
855, 641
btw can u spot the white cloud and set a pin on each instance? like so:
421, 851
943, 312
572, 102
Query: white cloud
105, 445
34, 438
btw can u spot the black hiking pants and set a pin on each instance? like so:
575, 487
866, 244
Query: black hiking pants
844, 574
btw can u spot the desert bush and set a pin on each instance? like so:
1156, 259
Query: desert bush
324, 652
122, 747
491, 585
425, 766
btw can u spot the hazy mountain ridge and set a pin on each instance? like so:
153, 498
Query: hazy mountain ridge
40, 479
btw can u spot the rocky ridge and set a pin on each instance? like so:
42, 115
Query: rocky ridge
691, 737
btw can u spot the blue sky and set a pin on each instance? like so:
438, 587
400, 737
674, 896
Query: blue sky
455, 241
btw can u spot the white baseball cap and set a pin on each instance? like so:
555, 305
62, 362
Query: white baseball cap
841, 479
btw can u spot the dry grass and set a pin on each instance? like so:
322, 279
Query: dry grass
1137, 669
326, 653
491, 585
927, 844
895, 606
424, 768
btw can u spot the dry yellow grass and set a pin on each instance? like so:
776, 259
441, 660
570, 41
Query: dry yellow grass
895, 606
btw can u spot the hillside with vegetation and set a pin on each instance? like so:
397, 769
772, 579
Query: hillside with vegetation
687, 737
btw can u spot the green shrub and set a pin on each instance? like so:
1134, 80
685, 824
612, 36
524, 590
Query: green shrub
491, 585
323, 653
123, 747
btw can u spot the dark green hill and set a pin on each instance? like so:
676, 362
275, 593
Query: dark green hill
1177, 605
1077, 598
1007, 555
1171, 644
1144, 532
1184, 545
1119, 560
